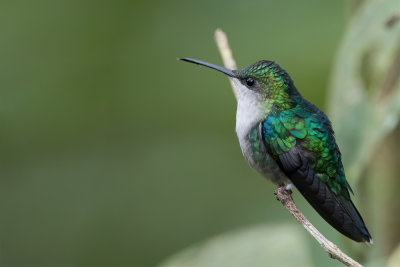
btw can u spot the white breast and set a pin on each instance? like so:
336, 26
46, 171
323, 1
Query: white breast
250, 109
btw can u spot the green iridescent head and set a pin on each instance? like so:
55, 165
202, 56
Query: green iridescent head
264, 77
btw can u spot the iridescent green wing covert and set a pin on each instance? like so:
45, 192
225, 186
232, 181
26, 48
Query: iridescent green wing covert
310, 132
302, 143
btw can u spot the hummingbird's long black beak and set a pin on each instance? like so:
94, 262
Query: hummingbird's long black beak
212, 66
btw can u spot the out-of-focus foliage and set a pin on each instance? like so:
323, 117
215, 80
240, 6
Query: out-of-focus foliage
364, 95
258, 246
394, 259
364, 105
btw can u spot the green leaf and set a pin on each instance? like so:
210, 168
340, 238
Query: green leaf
264, 245
364, 95
394, 259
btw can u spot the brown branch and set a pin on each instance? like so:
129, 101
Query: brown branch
226, 54
283, 195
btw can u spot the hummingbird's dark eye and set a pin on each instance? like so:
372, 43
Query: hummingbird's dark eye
250, 81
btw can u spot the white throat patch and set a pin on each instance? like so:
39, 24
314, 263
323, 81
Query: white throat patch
250, 109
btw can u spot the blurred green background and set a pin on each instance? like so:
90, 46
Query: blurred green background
113, 153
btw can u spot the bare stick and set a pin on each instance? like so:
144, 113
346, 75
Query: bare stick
226, 53
283, 195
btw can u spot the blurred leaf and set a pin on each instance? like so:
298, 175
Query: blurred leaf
264, 245
394, 259
364, 94
375, 263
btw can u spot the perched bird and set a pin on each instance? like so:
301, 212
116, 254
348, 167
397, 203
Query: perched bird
290, 141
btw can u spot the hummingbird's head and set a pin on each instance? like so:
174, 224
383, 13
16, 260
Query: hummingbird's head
264, 78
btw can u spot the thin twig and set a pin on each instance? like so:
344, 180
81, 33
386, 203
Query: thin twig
226, 53
281, 193
285, 197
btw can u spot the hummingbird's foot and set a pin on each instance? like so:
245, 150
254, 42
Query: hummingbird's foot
288, 187
283, 193
285, 188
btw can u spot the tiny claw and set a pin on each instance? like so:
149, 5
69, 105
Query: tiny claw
288, 187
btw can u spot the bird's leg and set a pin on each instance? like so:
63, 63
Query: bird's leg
289, 187
285, 189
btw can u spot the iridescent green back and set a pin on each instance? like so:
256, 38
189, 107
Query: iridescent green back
307, 127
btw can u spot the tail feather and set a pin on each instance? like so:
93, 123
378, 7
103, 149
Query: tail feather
338, 210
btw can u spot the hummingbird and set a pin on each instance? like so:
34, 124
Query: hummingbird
290, 141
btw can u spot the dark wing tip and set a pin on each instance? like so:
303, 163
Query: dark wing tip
337, 210
367, 237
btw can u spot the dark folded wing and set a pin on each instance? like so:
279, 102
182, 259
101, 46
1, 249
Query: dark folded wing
337, 210
302, 143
